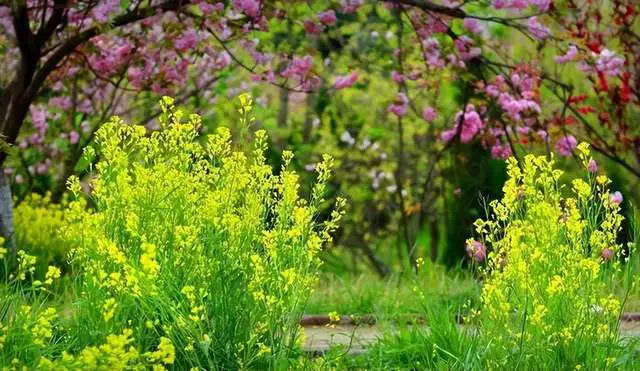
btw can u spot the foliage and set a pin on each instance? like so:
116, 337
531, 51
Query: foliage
193, 256
39, 223
390, 86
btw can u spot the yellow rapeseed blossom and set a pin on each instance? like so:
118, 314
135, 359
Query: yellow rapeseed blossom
545, 256
108, 308
165, 354
189, 228
53, 273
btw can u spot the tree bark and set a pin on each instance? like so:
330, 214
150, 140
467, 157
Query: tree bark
6, 214
283, 113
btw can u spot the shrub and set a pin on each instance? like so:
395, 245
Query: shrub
38, 223
193, 256
545, 298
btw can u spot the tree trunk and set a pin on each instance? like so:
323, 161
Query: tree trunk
283, 113
6, 214
309, 116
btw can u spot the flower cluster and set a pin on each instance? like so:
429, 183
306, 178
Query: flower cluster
546, 259
193, 255
468, 125
239, 242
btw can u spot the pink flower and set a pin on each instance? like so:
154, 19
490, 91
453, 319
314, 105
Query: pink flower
299, 67
328, 17
616, 197
102, 11
208, 8
592, 166
136, 76
524, 130
400, 105
606, 254
471, 124
543, 5
6, 20
476, 250
570, 55
431, 48
186, 41
464, 45
42, 168
248, 7
447, 135
609, 63
516, 107
566, 145
74, 137
429, 114
345, 81
397, 77
500, 151
223, 60
542, 135
473, 25
19, 179
537, 29
492, 90
312, 27
39, 118
350, 6
64, 103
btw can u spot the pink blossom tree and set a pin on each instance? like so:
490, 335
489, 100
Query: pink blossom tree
75, 62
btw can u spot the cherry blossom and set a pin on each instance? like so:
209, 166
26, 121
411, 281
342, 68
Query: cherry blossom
429, 114
566, 145
342, 82
328, 17
400, 105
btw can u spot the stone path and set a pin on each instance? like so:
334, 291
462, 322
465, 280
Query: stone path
319, 338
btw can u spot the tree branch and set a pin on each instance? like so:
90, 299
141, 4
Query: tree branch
436, 8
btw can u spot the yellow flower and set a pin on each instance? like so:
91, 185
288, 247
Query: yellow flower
263, 349
109, 308
42, 330
166, 352
603, 180
334, 318
581, 188
53, 273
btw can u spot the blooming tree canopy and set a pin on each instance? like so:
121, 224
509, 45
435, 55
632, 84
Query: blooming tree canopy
68, 64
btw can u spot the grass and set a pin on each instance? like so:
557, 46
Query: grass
395, 298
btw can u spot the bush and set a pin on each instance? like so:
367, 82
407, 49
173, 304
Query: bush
193, 256
546, 298
38, 223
